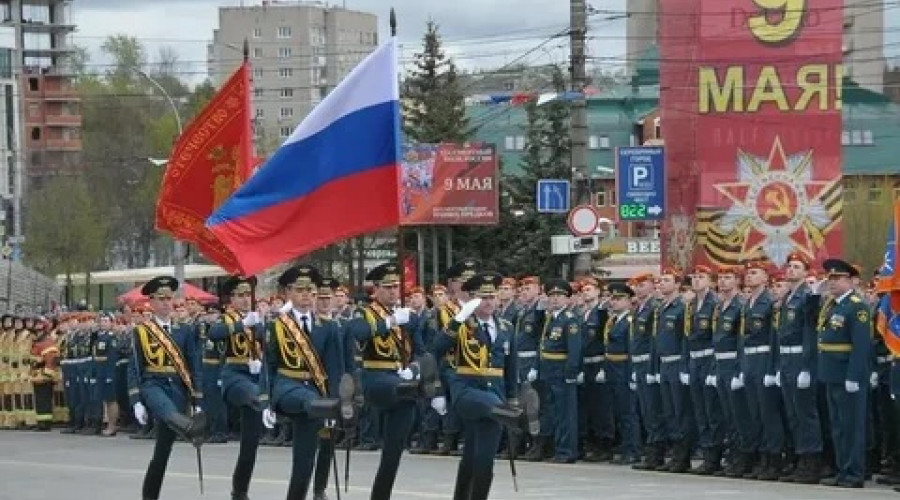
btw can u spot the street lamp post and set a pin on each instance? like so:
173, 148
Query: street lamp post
178, 246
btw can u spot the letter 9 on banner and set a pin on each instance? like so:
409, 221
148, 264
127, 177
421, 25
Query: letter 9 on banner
764, 132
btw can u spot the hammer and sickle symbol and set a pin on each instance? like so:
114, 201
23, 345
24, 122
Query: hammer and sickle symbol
780, 201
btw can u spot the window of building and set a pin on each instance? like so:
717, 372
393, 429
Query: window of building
856, 137
286, 112
509, 143
874, 195
845, 138
287, 93
284, 52
323, 91
257, 52
257, 92
33, 84
257, 32
36, 133
593, 142
849, 195
520, 143
896, 193
657, 129
600, 198
260, 113
612, 197
285, 72
868, 138
604, 142
257, 72
509, 86
284, 32
285, 131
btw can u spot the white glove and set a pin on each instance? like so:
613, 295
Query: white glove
769, 381
286, 307
255, 366
601, 377
632, 386
532, 375
633, 377
401, 316
406, 373
268, 418
219, 383
571, 381
803, 380
140, 413
851, 386
712, 381
580, 378
685, 378
873, 380
251, 319
439, 404
657, 379
330, 423
778, 379
652, 379
197, 410
737, 382
467, 310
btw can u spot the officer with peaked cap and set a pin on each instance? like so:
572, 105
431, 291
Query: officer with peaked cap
844, 348
241, 329
165, 380
305, 368
483, 383
394, 369
616, 371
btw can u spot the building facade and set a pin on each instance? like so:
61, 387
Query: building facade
863, 38
299, 51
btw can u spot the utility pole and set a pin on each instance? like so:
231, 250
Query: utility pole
581, 175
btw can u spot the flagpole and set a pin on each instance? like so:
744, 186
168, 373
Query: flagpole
401, 250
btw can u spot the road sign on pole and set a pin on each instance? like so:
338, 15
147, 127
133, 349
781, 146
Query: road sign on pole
553, 196
641, 183
583, 220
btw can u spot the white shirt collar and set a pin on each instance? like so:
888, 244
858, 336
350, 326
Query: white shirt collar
844, 296
163, 324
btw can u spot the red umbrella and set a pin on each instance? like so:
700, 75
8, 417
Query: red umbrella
134, 295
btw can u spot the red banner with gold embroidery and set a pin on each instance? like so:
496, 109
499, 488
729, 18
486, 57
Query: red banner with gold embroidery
766, 103
211, 159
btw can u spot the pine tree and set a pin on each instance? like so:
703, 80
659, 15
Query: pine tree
434, 104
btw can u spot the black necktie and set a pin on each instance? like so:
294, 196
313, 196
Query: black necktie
167, 329
485, 333
305, 320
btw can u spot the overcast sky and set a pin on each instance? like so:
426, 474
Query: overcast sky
478, 33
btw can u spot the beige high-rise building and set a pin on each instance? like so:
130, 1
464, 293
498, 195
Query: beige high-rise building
863, 38
299, 51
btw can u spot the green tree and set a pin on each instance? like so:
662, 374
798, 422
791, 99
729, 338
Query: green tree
66, 230
434, 104
867, 213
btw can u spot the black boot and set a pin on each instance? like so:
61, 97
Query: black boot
427, 443
507, 416
738, 466
808, 470
239, 496
712, 458
772, 471
536, 453
681, 458
449, 446
429, 376
325, 409
531, 403
653, 458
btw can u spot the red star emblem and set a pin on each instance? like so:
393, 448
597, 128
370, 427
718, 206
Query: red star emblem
777, 207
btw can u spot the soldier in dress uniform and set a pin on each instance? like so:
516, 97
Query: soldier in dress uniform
615, 371
305, 367
394, 361
763, 426
458, 274
106, 352
213, 352
71, 354
704, 396
429, 421
844, 348
241, 330
327, 436
483, 384
673, 322
559, 369
796, 338
643, 375
595, 419
165, 380
506, 297
529, 325
44, 374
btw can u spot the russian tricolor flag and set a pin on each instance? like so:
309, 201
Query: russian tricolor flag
335, 177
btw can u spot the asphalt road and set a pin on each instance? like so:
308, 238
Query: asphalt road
41, 466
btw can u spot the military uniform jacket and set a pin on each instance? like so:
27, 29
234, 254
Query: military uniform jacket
845, 340
758, 336
154, 361
241, 343
593, 345
295, 357
700, 336
642, 330
616, 336
481, 363
727, 319
384, 348
105, 354
528, 328
561, 346
672, 327
510, 312
796, 329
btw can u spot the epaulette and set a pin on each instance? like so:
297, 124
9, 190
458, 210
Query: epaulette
855, 299
569, 314
507, 324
